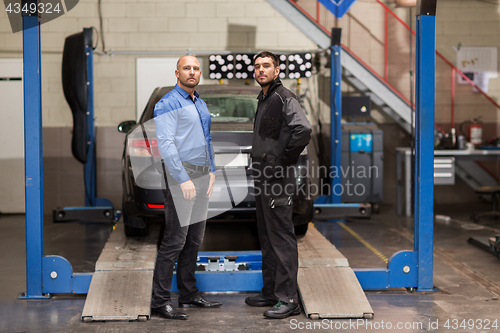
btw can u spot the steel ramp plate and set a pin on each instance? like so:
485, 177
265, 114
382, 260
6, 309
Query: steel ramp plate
315, 249
119, 295
122, 283
121, 252
328, 287
332, 292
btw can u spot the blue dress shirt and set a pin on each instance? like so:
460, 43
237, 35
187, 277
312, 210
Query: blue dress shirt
183, 132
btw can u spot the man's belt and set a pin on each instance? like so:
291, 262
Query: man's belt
197, 168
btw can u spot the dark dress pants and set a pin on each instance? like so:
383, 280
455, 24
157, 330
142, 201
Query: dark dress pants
277, 237
180, 242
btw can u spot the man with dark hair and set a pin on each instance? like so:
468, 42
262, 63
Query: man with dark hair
281, 132
183, 131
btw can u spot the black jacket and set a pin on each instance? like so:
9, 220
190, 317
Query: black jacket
281, 129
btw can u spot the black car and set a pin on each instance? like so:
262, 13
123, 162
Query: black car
232, 110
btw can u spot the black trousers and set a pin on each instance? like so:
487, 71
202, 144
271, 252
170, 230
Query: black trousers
273, 202
180, 241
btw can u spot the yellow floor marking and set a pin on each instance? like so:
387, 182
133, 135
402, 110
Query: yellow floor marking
362, 241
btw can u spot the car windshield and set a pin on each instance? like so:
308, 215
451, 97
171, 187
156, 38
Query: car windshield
230, 107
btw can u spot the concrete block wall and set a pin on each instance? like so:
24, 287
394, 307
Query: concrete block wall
176, 25
469, 23
153, 25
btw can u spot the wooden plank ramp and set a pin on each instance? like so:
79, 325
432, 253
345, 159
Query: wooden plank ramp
328, 287
122, 283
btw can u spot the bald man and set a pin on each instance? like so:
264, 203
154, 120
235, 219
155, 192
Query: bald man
182, 124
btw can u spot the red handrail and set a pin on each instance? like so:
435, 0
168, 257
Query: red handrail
352, 54
395, 16
468, 80
317, 12
386, 47
453, 98
385, 78
376, 74
309, 16
453, 67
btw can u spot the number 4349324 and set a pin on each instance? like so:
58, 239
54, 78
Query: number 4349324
32, 8
472, 324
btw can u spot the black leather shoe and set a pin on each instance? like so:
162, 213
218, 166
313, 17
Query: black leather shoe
282, 310
199, 302
259, 300
168, 312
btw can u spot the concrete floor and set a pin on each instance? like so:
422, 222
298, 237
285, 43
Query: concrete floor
467, 277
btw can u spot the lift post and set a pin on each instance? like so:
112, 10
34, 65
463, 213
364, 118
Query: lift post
336, 113
330, 206
410, 269
425, 69
44, 274
95, 209
33, 149
90, 167
414, 269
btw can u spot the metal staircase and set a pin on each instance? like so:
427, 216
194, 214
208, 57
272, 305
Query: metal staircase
474, 175
359, 76
354, 71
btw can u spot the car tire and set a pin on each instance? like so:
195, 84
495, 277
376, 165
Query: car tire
131, 231
136, 232
301, 229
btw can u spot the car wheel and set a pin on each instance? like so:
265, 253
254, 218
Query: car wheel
130, 230
301, 229
136, 232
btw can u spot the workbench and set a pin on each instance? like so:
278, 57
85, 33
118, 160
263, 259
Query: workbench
403, 154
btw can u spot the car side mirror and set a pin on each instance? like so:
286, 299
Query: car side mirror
126, 126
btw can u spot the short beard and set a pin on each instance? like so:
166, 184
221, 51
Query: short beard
262, 85
189, 85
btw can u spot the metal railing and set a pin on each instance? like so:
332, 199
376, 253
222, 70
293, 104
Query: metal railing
385, 44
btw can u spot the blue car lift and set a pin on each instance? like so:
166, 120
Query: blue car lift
410, 269
96, 209
330, 206
46, 274
228, 271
